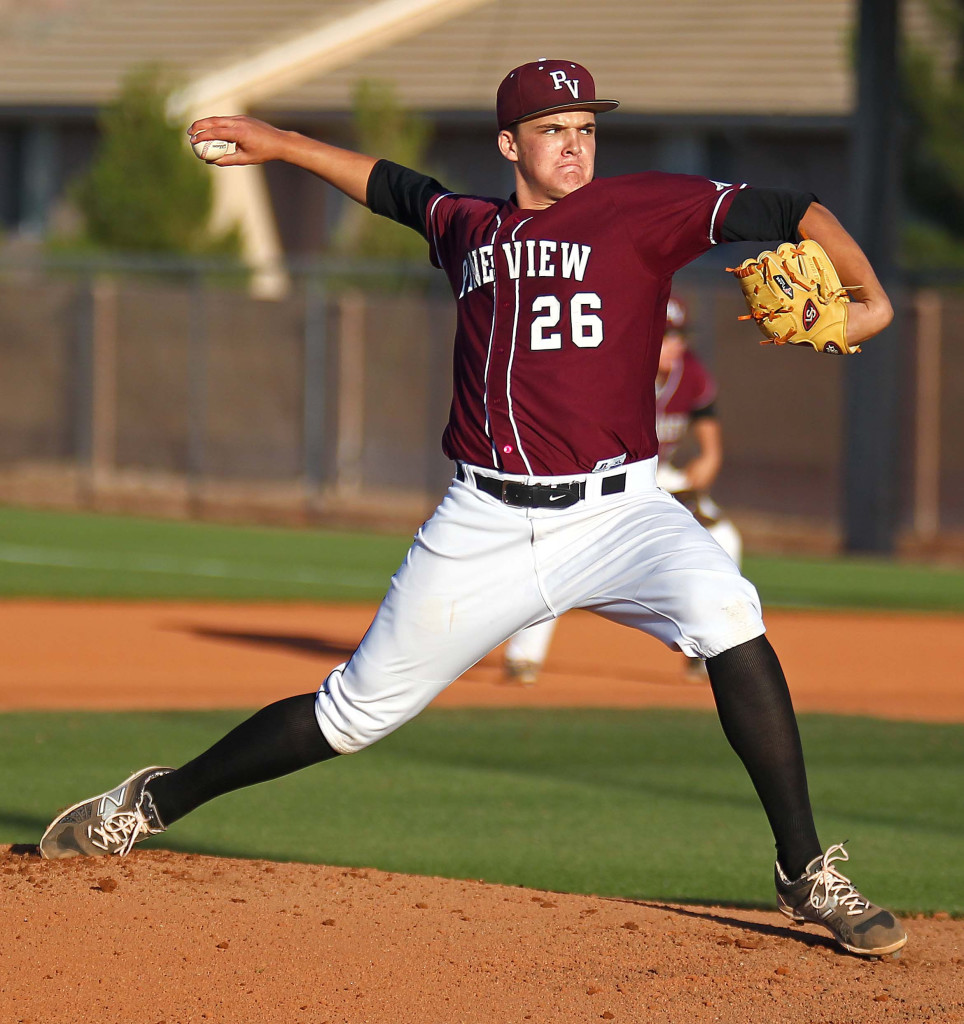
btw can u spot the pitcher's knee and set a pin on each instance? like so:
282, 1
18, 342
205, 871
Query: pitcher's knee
353, 714
727, 618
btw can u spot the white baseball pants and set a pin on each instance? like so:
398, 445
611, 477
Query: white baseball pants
531, 645
479, 571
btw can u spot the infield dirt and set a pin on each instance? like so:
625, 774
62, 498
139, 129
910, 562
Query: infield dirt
165, 938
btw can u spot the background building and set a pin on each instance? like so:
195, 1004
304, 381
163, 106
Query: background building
328, 402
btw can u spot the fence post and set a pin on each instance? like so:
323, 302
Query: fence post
351, 393
927, 433
197, 385
314, 385
103, 402
872, 382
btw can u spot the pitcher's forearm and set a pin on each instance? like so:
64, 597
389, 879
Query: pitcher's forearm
345, 169
258, 142
870, 311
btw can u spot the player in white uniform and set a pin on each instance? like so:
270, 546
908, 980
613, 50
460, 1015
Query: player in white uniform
685, 396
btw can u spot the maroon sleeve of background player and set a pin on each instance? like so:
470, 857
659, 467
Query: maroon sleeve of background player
700, 384
673, 218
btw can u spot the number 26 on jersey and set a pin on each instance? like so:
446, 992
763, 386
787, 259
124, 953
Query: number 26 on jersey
585, 325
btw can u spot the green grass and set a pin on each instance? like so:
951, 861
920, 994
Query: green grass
645, 804
855, 583
57, 554
78, 555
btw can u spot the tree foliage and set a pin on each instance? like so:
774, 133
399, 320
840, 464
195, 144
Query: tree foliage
384, 129
933, 150
145, 191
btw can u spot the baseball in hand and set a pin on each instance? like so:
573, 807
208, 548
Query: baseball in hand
213, 149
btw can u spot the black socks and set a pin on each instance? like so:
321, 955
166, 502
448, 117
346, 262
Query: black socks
752, 700
279, 739
757, 716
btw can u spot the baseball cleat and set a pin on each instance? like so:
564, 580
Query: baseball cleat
695, 670
521, 673
107, 824
822, 895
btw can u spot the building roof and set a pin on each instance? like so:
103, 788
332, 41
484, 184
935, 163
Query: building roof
76, 52
714, 57
688, 56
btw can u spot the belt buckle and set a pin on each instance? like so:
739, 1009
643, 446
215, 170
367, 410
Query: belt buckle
515, 495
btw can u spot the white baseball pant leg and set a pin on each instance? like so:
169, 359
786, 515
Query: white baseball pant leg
479, 571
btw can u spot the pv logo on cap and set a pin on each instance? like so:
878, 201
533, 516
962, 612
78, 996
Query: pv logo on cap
559, 80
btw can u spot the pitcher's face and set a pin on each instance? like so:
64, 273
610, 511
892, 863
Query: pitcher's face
554, 155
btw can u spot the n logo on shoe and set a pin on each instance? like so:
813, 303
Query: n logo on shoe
112, 801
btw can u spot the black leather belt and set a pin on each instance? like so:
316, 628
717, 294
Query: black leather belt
519, 495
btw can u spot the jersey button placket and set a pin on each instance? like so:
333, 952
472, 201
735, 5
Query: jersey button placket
504, 314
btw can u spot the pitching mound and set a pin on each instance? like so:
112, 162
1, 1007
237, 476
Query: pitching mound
164, 938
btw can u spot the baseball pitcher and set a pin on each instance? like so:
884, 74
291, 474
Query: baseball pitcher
561, 291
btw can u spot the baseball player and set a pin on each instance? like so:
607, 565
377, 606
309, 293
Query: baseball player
685, 395
561, 293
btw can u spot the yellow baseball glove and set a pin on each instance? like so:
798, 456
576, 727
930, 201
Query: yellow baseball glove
796, 298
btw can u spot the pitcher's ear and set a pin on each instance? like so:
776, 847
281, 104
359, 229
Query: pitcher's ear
507, 145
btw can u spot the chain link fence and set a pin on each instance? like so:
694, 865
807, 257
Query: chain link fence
165, 388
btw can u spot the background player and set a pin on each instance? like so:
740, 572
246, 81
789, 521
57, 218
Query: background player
685, 397
561, 295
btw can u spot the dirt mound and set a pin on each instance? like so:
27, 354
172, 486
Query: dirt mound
165, 938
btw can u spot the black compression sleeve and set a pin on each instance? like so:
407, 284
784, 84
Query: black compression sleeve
401, 194
766, 215
756, 712
281, 738
703, 412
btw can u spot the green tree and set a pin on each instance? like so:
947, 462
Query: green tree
933, 150
385, 129
145, 191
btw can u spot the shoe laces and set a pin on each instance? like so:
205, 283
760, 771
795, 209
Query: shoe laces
119, 831
831, 888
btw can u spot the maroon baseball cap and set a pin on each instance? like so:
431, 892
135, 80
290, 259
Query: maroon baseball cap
543, 87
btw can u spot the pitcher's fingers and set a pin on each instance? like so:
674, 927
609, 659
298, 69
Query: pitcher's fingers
210, 127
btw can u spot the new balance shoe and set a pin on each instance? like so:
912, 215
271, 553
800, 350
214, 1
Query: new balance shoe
521, 673
822, 895
107, 824
695, 670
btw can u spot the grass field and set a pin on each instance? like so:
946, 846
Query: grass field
646, 804
54, 554
638, 804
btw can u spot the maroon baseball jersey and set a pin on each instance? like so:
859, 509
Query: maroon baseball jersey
688, 388
561, 314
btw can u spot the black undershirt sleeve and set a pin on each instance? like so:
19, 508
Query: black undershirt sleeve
766, 215
401, 194
703, 412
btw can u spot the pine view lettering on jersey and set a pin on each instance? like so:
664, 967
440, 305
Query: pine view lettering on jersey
532, 257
